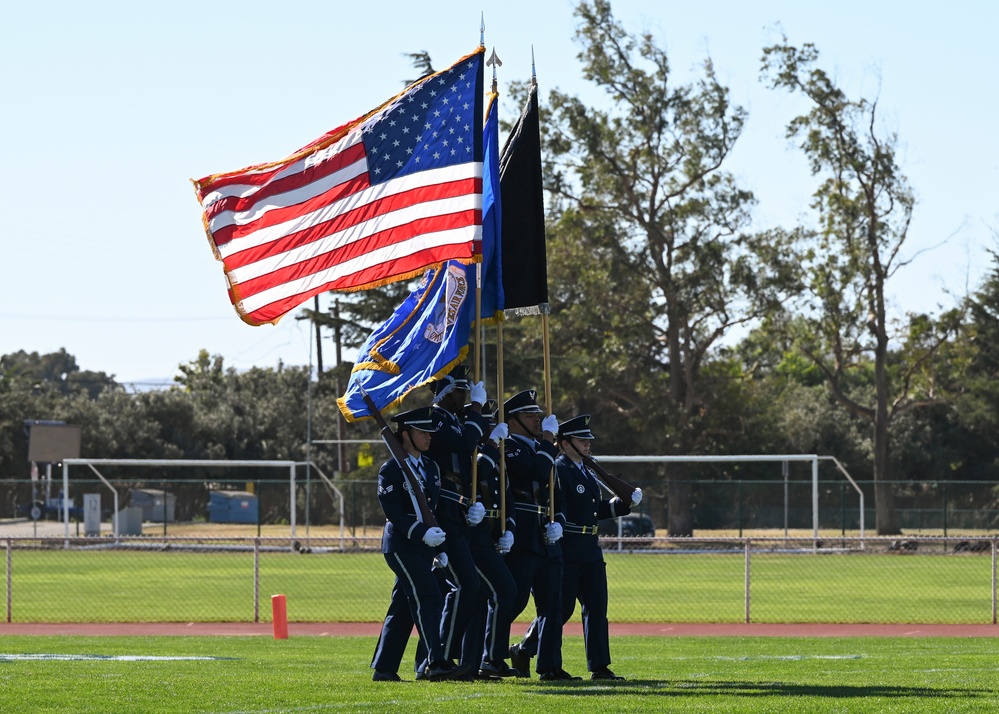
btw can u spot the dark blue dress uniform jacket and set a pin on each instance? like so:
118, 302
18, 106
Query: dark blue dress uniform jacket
451, 447
489, 494
584, 506
403, 531
528, 471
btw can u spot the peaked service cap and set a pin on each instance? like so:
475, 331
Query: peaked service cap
421, 419
525, 402
578, 428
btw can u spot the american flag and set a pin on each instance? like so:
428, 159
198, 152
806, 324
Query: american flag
428, 334
374, 201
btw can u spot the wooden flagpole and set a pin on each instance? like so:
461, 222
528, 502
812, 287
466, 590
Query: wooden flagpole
475, 370
494, 62
548, 405
501, 417
477, 335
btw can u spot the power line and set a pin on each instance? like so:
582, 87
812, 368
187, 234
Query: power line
63, 317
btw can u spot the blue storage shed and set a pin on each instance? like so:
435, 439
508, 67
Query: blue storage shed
232, 507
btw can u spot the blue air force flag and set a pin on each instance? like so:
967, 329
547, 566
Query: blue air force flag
425, 337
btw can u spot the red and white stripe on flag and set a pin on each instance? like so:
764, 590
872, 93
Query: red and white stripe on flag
377, 200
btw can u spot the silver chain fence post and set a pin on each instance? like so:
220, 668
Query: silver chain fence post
10, 546
994, 542
256, 579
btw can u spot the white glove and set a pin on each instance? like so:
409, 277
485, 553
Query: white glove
636, 497
440, 561
500, 432
505, 542
476, 512
434, 536
553, 531
478, 393
550, 423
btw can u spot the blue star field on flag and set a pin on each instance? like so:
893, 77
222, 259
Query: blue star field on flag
435, 126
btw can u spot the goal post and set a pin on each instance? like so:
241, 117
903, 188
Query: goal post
813, 459
218, 463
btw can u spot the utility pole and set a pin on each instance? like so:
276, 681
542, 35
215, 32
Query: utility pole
319, 343
341, 424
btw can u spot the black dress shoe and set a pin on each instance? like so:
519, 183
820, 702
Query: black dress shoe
557, 675
520, 661
446, 669
497, 668
604, 673
385, 677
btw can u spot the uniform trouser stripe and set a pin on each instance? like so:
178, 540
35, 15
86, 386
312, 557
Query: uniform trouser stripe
453, 620
491, 612
418, 614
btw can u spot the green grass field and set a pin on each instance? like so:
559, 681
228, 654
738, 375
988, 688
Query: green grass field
128, 586
324, 674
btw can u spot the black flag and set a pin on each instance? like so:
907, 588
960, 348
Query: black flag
525, 261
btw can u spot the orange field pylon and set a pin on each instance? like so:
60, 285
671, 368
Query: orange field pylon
279, 608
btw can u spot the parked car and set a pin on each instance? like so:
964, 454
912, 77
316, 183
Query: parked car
632, 526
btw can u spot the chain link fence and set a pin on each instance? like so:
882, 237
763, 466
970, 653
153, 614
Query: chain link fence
185, 550
718, 506
651, 579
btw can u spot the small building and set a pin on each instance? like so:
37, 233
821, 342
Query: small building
128, 521
157, 506
232, 507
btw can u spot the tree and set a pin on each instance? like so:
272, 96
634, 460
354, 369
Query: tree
57, 371
650, 252
972, 381
421, 63
864, 206
41, 386
256, 414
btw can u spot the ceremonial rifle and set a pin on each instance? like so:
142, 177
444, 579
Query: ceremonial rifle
621, 488
398, 452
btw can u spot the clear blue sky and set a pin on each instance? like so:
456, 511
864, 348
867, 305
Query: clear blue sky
110, 107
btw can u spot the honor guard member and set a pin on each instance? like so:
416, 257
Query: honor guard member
535, 560
487, 635
585, 576
408, 546
452, 447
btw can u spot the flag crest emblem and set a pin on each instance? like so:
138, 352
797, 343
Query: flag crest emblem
447, 311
